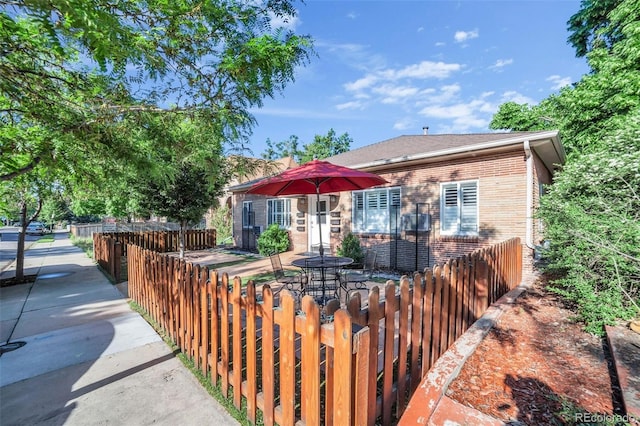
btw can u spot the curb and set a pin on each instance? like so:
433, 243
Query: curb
624, 345
429, 404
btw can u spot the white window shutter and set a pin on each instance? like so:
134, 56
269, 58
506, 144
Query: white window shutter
449, 207
469, 207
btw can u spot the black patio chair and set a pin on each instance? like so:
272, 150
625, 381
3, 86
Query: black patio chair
356, 279
293, 281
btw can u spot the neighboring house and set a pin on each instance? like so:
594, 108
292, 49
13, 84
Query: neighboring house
447, 196
248, 211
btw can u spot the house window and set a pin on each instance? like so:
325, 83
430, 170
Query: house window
371, 210
279, 211
459, 208
248, 215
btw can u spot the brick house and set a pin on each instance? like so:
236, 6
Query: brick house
447, 195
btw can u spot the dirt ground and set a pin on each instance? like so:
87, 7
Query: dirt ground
538, 367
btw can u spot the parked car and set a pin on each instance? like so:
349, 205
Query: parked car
36, 228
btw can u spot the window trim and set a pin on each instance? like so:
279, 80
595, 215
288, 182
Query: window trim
359, 224
243, 223
458, 231
286, 213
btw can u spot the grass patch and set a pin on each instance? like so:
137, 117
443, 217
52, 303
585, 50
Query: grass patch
259, 279
46, 239
86, 244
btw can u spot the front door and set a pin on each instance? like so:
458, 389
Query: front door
316, 227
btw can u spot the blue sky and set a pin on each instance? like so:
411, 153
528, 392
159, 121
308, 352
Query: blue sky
388, 68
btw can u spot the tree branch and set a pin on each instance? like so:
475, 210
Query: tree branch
21, 171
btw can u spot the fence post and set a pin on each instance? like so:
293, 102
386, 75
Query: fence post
311, 362
117, 260
481, 285
361, 345
343, 394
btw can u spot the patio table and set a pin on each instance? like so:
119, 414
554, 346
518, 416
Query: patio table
323, 275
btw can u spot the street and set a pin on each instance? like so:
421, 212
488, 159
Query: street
9, 244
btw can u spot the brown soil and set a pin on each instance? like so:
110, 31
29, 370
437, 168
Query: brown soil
538, 367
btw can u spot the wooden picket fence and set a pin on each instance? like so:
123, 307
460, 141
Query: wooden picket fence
166, 241
110, 247
107, 252
359, 369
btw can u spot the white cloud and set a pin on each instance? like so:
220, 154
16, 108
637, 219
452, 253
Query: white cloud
440, 43
559, 82
287, 22
350, 105
394, 94
362, 83
501, 63
404, 124
427, 69
513, 96
423, 70
462, 36
352, 15
354, 55
420, 29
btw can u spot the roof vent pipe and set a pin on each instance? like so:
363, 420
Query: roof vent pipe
425, 130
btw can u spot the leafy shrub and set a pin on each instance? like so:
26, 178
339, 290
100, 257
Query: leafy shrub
350, 247
592, 218
273, 240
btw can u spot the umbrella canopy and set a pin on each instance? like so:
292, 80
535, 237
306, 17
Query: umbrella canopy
316, 177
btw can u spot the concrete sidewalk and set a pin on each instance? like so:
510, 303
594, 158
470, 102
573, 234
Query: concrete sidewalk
83, 357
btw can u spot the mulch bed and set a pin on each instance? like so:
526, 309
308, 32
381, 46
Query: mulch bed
539, 367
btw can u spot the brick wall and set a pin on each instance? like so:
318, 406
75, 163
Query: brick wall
502, 210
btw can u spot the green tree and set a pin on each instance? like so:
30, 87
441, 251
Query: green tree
592, 218
325, 146
590, 212
321, 147
184, 199
215, 60
286, 148
591, 27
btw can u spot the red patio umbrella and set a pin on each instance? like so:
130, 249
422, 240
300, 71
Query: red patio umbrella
316, 177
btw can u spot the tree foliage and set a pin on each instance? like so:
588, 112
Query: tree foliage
184, 199
322, 146
591, 211
592, 218
81, 81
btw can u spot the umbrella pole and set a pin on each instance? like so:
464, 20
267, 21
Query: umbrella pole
319, 219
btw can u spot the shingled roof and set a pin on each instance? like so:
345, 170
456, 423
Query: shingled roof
411, 147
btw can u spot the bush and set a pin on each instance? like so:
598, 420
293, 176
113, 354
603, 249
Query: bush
350, 247
273, 240
592, 218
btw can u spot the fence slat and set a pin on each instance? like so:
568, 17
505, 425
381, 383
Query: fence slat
343, 395
416, 332
237, 342
287, 359
268, 357
311, 362
402, 347
224, 335
388, 353
252, 350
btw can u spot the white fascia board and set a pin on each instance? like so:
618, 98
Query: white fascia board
502, 143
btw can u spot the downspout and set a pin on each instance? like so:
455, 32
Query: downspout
529, 218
